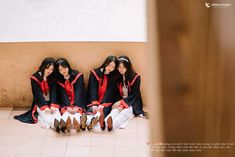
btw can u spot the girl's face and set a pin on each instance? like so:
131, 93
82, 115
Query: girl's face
121, 68
63, 71
110, 67
49, 70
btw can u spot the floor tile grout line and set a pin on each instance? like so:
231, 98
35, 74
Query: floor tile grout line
3, 126
10, 113
43, 144
113, 142
20, 142
66, 148
90, 146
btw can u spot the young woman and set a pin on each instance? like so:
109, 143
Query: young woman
101, 92
44, 107
130, 101
72, 97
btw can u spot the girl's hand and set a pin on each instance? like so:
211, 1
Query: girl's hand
94, 108
47, 109
100, 107
70, 110
120, 108
116, 105
75, 110
53, 109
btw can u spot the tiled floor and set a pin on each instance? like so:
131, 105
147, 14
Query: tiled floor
18, 139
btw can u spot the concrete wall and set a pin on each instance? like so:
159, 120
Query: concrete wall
19, 60
73, 20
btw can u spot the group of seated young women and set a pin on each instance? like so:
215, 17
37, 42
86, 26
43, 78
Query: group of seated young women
61, 102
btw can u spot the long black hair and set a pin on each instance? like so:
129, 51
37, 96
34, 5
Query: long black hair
107, 61
65, 64
130, 72
46, 63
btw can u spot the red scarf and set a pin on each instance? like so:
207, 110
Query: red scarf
102, 88
44, 87
69, 90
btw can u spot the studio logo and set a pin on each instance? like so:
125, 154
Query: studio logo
207, 5
217, 5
